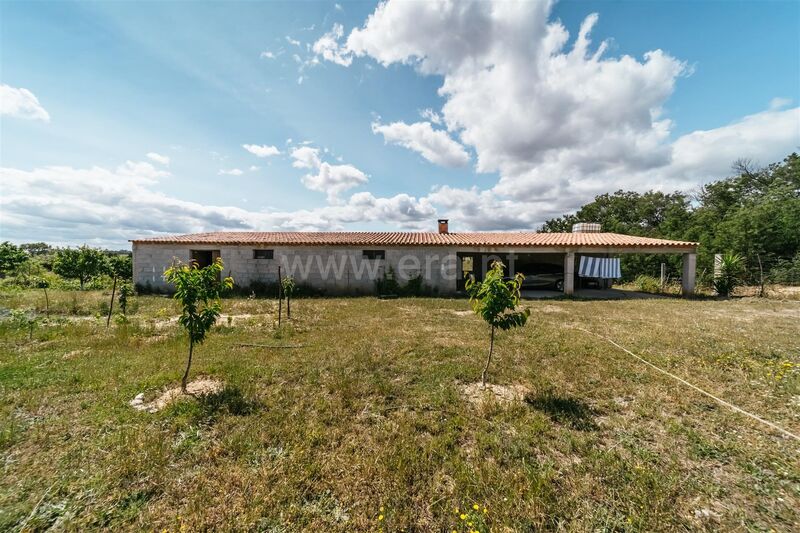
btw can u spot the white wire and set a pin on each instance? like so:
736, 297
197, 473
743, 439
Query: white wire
695, 387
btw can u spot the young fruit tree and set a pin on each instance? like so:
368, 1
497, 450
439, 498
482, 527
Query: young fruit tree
198, 290
125, 292
289, 287
42, 283
119, 267
495, 300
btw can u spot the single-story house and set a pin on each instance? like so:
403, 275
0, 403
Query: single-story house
351, 262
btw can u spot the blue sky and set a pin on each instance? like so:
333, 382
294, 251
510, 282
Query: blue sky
194, 82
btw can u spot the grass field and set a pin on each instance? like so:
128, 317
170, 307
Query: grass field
364, 417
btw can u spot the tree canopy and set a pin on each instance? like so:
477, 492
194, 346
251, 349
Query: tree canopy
81, 263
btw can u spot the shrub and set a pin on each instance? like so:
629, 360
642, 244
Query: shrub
648, 284
730, 274
387, 285
786, 271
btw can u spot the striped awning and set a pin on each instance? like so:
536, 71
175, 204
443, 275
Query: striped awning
599, 267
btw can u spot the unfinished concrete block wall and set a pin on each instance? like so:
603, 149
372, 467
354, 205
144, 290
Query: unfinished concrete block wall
336, 270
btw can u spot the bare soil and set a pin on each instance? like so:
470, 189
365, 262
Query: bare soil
198, 387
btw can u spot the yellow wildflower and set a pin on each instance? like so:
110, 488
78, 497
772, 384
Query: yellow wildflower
380, 517
475, 506
463, 516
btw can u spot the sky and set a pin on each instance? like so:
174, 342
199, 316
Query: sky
122, 120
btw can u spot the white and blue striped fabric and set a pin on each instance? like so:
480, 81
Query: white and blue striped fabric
599, 267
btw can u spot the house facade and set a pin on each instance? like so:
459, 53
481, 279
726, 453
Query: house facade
352, 262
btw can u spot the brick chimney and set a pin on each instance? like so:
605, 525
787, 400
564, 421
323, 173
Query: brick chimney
443, 226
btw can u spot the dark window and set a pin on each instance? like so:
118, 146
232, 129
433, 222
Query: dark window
203, 258
263, 254
374, 254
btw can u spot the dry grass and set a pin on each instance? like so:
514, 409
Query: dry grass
369, 413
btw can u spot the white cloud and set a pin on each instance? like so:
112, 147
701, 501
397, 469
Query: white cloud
21, 103
764, 137
268, 55
106, 207
231, 172
330, 179
293, 42
158, 158
334, 179
434, 145
261, 150
431, 116
253, 168
329, 48
779, 103
306, 157
558, 124
338, 7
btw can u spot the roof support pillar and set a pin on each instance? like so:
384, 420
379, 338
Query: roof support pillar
569, 273
688, 275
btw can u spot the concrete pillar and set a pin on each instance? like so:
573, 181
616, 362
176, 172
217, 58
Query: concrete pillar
569, 273
689, 271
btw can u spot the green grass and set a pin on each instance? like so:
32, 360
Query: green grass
366, 412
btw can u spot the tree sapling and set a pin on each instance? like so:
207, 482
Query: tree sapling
495, 300
198, 290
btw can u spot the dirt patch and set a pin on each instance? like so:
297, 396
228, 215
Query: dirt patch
198, 387
477, 394
462, 313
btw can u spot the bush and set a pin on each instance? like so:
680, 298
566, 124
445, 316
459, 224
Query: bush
786, 271
648, 284
730, 274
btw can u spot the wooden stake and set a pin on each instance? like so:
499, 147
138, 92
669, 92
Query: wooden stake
111, 307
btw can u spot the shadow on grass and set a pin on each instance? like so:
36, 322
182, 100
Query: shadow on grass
564, 410
207, 408
230, 400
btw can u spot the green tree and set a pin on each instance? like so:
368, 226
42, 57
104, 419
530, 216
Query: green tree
125, 292
11, 257
119, 266
495, 300
42, 283
198, 290
82, 263
36, 248
289, 287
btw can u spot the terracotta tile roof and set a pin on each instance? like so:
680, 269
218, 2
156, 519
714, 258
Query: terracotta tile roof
407, 238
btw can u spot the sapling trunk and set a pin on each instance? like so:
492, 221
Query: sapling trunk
111, 307
488, 358
289, 306
188, 366
46, 302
